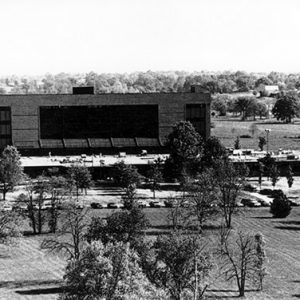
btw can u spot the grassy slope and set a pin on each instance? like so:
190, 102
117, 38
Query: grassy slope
282, 135
28, 273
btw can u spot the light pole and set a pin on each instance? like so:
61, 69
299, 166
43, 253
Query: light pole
267, 132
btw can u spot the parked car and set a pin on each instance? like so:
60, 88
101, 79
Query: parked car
20, 207
46, 205
112, 205
264, 203
6, 207
293, 203
156, 204
79, 205
250, 202
142, 203
96, 205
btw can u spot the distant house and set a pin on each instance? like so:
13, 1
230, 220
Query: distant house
271, 90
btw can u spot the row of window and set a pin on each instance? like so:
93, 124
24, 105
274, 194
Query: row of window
100, 121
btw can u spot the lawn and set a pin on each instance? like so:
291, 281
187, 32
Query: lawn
29, 273
286, 136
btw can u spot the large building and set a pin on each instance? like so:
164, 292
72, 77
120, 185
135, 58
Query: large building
84, 121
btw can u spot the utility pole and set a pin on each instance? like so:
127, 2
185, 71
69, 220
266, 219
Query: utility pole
267, 132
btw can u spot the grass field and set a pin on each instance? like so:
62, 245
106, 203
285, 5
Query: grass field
286, 136
28, 273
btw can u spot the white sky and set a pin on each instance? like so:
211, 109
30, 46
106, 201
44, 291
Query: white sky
39, 36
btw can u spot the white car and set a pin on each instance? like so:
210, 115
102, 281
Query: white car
142, 203
46, 205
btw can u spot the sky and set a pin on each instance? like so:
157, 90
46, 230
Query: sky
118, 36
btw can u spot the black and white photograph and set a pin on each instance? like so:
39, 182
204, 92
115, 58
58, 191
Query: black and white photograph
149, 149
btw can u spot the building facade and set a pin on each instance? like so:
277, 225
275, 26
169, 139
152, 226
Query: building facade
104, 121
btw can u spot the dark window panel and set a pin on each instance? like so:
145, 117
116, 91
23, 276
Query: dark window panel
126, 121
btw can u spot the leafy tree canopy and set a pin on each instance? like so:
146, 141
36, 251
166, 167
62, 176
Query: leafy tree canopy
287, 107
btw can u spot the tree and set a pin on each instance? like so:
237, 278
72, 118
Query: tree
58, 187
9, 228
127, 177
11, 171
240, 257
39, 187
260, 173
213, 149
178, 215
268, 161
203, 196
108, 272
127, 226
261, 260
229, 179
253, 129
280, 206
261, 143
70, 238
274, 174
185, 146
30, 203
246, 106
81, 177
219, 103
237, 143
183, 266
286, 107
155, 174
289, 176
261, 110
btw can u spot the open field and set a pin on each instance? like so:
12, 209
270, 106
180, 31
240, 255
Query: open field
29, 273
286, 136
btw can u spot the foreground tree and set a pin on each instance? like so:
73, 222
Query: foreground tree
70, 239
203, 198
241, 257
126, 226
58, 187
261, 260
229, 180
286, 107
185, 146
10, 224
108, 272
11, 171
183, 266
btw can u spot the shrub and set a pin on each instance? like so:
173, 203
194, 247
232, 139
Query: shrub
280, 207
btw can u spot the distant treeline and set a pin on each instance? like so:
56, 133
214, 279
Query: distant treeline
148, 82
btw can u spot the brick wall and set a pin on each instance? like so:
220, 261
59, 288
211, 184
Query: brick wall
25, 109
